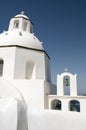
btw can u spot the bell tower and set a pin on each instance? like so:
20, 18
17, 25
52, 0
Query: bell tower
66, 84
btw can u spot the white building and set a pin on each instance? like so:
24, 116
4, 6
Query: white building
25, 83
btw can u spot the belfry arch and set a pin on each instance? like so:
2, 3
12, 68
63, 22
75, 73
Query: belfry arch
66, 85
74, 105
66, 82
56, 104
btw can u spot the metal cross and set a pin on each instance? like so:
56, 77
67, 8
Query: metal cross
22, 12
66, 70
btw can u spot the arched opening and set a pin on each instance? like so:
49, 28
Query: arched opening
74, 105
30, 70
56, 104
31, 28
1, 67
66, 85
25, 26
16, 24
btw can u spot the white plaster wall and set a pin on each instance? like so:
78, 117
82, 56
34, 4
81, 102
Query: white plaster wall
60, 91
56, 120
82, 101
8, 115
9, 91
15, 60
8, 55
33, 91
73, 85
23, 56
13, 115
47, 86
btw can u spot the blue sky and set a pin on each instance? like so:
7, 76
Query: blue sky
61, 26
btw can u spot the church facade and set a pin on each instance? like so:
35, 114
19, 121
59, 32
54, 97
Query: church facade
25, 84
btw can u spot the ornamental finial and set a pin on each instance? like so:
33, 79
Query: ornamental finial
65, 70
22, 12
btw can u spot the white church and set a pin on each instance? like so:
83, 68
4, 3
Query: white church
27, 99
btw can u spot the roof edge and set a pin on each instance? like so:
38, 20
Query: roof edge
26, 48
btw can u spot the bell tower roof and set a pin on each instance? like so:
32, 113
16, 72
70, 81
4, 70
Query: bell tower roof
22, 15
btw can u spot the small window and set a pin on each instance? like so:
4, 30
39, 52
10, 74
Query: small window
1, 67
25, 26
66, 85
56, 104
16, 24
74, 105
31, 28
66, 81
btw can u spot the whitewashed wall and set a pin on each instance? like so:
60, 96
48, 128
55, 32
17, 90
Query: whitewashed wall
56, 120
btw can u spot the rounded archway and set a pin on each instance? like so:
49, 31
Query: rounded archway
66, 85
56, 104
74, 105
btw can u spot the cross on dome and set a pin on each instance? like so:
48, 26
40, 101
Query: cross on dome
22, 12
65, 70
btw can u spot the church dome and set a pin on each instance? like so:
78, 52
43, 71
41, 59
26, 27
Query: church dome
20, 38
20, 32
